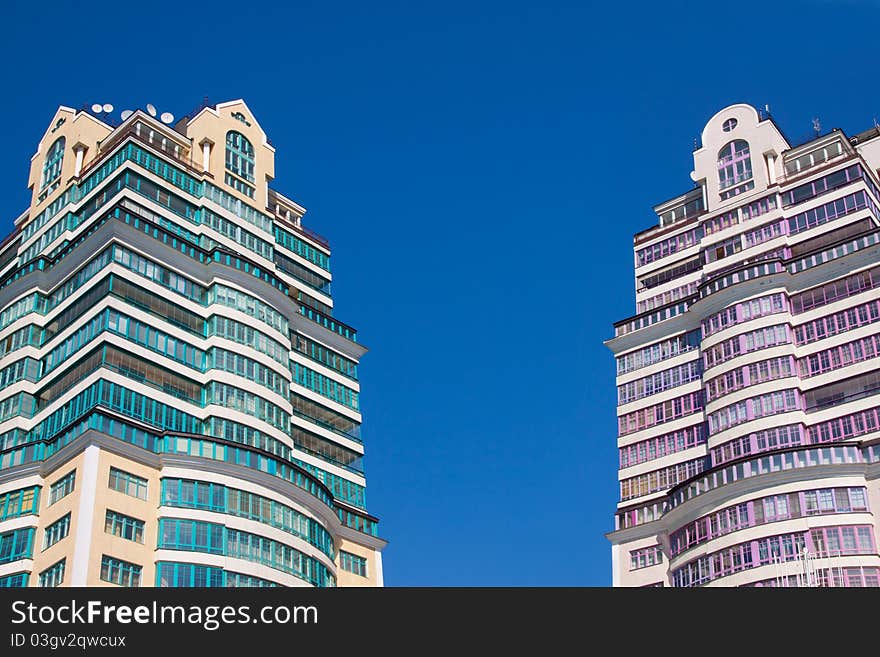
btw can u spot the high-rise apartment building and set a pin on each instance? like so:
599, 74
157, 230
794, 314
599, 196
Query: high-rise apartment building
749, 380
178, 403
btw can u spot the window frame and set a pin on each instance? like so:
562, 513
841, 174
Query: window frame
240, 153
53, 163
732, 157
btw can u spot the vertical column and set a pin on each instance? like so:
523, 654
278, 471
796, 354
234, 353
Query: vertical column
85, 516
615, 565
380, 577
206, 145
771, 168
80, 150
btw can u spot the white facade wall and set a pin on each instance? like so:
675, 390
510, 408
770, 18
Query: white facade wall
767, 148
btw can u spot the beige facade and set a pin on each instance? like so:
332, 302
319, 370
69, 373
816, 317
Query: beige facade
373, 566
84, 546
81, 132
211, 125
51, 513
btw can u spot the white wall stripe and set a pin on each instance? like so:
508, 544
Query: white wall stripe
85, 516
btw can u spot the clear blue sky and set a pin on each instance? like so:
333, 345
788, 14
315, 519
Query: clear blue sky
480, 169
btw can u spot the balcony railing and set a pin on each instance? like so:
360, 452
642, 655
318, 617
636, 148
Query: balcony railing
142, 136
312, 235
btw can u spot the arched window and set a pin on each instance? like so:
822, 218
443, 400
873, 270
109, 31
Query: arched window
52, 164
734, 164
240, 155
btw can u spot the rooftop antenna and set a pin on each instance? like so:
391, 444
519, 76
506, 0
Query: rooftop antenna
777, 570
806, 574
876, 125
102, 108
151, 110
767, 109
817, 127
125, 114
167, 117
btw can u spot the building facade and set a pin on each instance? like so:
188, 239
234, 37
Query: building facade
748, 379
178, 404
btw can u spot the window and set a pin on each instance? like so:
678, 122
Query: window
15, 581
188, 575
16, 544
660, 413
239, 186
124, 526
651, 482
645, 557
127, 483
187, 493
239, 155
734, 164
52, 163
240, 580
53, 575
722, 249
324, 355
659, 382
858, 499
728, 125
19, 502
776, 508
62, 488
836, 541
213, 538
813, 158
353, 563
826, 500
56, 531
120, 572
658, 352
195, 535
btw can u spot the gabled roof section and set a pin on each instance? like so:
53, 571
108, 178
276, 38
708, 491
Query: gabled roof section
246, 111
61, 116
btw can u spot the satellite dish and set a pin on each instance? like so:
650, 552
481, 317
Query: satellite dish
97, 108
167, 117
125, 114
108, 107
151, 109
